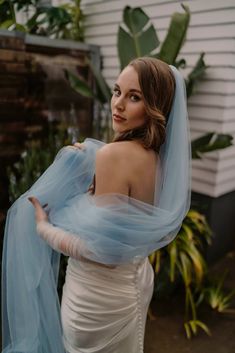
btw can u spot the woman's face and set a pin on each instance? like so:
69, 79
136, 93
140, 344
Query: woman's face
128, 109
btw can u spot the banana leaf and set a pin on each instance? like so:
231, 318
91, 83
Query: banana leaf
79, 85
103, 92
138, 40
175, 36
210, 142
6, 24
195, 75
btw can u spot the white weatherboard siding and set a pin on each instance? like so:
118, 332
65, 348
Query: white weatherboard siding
212, 107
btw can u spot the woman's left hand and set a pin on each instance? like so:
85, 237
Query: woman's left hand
40, 213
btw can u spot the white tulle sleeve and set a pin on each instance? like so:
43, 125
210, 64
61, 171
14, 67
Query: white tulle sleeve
61, 240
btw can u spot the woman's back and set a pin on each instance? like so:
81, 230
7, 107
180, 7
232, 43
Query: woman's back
126, 168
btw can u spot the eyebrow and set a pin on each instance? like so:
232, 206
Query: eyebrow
130, 90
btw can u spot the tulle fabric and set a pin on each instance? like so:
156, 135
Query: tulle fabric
30, 306
116, 229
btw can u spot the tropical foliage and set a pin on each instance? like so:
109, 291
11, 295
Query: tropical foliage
36, 158
133, 34
182, 262
137, 37
62, 21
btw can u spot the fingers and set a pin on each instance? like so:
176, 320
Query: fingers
40, 213
79, 145
34, 201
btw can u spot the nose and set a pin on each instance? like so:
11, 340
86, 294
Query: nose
119, 103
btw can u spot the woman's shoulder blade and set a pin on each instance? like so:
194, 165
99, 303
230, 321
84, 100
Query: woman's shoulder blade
120, 148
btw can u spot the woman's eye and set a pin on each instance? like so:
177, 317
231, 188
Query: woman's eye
116, 92
135, 98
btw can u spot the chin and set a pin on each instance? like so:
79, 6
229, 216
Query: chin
117, 129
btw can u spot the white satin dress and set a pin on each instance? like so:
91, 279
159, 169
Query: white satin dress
104, 310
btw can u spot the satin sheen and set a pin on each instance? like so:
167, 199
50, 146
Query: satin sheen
104, 310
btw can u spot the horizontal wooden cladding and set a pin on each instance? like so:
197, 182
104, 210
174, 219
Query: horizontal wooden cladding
204, 32
215, 101
212, 113
202, 126
214, 178
214, 164
209, 46
218, 45
213, 190
111, 61
226, 153
213, 73
211, 183
209, 17
204, 87
165, 8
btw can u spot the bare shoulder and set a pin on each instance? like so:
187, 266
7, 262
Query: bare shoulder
113, 168
119, 150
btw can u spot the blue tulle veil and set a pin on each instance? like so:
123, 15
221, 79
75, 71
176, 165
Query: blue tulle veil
116, 229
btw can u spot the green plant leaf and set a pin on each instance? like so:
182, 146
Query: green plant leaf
187, 330
103, 91
203, 326
79, 85
195, 75
152, 257
175, 36
188, 231
20, 27
199, 224
6, 24
181, 63
184, 267
210, 142
197, 261
135, 19
172, 250
157, 262
147, 41
126, 47
138, 40
191, 327
216, 296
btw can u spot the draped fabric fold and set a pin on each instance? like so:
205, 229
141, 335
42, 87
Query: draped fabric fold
115, 228
30, 306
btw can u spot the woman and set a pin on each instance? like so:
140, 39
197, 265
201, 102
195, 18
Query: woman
140, 195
